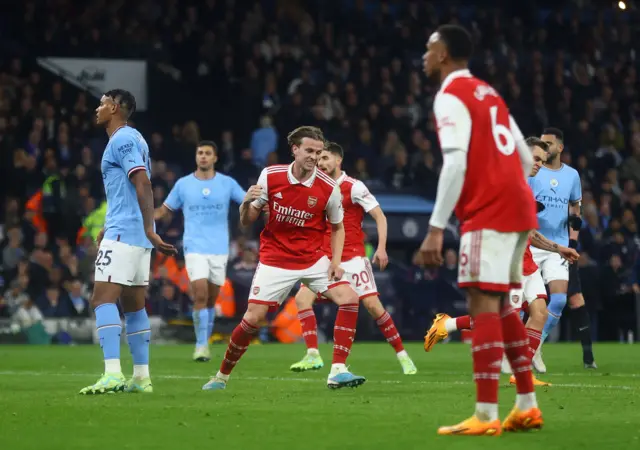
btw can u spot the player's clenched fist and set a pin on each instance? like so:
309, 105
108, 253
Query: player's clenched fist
335, 271
569, 254
431, 248
253, 193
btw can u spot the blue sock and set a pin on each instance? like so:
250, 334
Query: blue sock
109, 329
200, 325
212, 317
556, 305
138, 337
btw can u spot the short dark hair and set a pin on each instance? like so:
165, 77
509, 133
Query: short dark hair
306, 131
124, 99
209, 144
334, 148
557, 132
534, 141
458, 41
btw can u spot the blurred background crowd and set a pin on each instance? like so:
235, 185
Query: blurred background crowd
244, 73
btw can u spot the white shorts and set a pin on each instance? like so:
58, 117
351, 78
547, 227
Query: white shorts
212, 268
491, 261
122, 263
272, 285
359, 273
532, 289
552, 265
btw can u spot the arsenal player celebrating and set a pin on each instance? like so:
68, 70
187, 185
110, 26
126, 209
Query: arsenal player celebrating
301, 200
485, 164
356, 201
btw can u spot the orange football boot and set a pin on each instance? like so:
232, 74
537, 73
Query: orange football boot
436, 333
536, 382
472, 427
517, 420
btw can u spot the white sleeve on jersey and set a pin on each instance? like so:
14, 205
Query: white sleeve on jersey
264, 198
360, 194
454, 133
526, 158
335, 214
454, 122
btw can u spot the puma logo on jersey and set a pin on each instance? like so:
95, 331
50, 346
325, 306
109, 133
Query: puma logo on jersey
278, 195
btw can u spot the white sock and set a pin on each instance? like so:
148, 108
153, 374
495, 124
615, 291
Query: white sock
526, 401
487, 412
402, 354
450, 325
141, 370
337, 368
313, 352
112, 366
222, 376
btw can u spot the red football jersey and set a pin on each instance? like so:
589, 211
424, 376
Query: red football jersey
356, 201
528, 264
298, 216
471, 115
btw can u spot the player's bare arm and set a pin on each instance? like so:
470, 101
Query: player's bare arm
249, 212
380, 257
575, 220
161, 212
541, 242
144, 193
337, 245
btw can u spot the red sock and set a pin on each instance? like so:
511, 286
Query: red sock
487, 349
464, 323
240, 340
390, 332
534, 341
344, 332
307, 319
516, 346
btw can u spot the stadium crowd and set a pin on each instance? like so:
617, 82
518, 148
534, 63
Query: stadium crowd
352, 68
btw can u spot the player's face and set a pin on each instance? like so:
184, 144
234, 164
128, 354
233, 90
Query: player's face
105, 110
539, 158
306, 155
206, 157
328, 163
555, 147
433, 57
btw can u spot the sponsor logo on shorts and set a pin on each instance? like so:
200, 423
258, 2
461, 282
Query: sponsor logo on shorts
256, 290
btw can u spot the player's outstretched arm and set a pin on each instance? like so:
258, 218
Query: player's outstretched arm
380, 257
161, 212
541, 242
144, 193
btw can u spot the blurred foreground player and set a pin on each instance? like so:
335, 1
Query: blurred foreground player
485, 163
301, 200
356, 201
125, 243
533, 295
204, 198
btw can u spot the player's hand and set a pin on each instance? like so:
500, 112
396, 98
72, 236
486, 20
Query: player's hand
253, 193
100, 237
335, 272
569, 254
431, 248
381, 258
161, 245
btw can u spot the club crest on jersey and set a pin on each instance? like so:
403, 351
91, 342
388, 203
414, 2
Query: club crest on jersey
553, 183
206, 192
312, 201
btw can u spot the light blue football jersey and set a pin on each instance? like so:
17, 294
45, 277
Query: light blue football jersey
555, 189
126, 153
205, 206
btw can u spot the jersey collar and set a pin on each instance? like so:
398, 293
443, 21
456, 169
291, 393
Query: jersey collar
341, 178
462, 73
293, 180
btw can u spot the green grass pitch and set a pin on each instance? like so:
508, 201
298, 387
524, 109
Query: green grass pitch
267, 407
